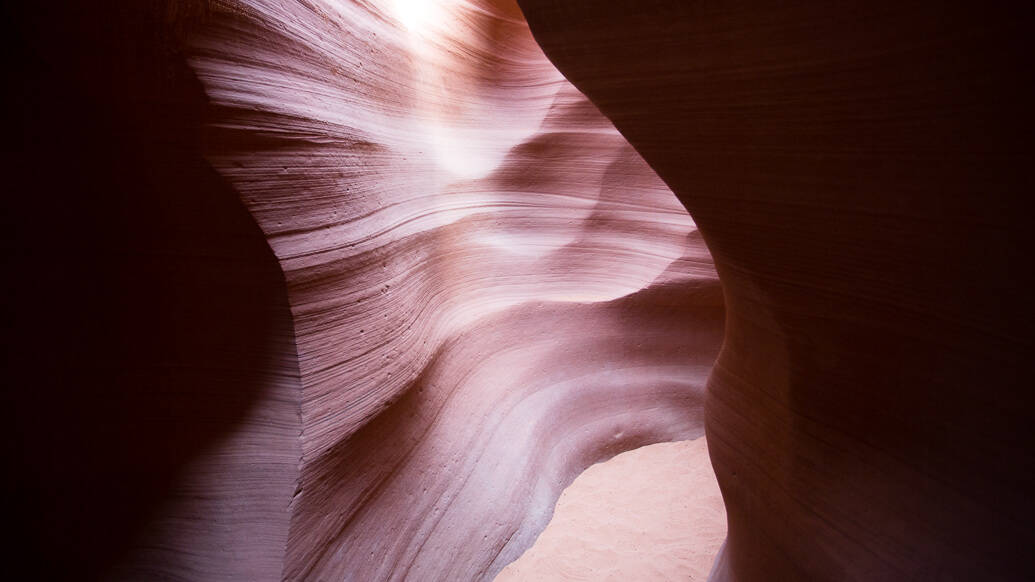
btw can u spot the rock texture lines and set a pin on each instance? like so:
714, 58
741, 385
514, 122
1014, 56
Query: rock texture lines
352, 289
490, 289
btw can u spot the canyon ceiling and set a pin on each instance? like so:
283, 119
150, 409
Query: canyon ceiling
335, 290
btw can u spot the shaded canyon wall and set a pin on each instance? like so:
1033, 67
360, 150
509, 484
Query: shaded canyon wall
353, 290
859, 172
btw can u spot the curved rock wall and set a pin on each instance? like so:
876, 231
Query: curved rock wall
150, 380
859, 172
490, 289
476, 289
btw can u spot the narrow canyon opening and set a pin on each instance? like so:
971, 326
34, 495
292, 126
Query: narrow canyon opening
410, 290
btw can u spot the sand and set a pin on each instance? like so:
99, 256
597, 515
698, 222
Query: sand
654, 513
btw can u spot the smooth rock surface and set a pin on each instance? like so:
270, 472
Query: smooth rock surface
861, 173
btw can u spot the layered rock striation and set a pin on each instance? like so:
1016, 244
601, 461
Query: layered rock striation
490, 289
326, 290
353, 290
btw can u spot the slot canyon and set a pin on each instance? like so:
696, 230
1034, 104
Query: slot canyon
450, 290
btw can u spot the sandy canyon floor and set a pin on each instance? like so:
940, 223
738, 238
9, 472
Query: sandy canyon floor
653, 513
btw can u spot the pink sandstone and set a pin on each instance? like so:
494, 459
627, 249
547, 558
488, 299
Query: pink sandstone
353, 290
